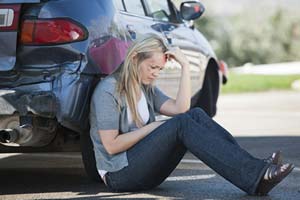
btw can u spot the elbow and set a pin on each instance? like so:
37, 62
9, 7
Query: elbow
183, 109
110, 150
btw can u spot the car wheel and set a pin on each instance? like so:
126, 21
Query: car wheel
88, 157
207, 97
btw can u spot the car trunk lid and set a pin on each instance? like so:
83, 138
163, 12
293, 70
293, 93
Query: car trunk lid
10, 11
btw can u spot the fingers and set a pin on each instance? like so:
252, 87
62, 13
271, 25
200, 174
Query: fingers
173, 51
176, 54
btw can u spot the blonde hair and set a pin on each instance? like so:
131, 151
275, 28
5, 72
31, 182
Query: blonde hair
129, 83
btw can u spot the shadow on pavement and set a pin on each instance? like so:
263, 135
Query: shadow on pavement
41, 178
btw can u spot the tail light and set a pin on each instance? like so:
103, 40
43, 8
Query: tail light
224, 69
51, 32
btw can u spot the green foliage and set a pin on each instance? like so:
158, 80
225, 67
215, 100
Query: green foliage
250, 37
254, 83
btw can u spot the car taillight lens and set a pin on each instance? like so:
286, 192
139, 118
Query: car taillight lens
51, 31
224, 69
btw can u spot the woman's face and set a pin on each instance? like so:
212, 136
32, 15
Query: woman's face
150, 67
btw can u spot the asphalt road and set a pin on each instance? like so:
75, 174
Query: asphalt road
262, 123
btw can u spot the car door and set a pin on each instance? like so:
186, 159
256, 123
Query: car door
167, 21
140, 17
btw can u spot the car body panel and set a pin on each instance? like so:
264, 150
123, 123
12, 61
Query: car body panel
9, 18
8, 37
18, 1
179, 35
8, 50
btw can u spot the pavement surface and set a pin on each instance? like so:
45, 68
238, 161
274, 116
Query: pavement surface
274, 113
261, 122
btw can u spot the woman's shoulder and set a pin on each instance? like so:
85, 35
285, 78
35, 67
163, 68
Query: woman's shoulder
108, 84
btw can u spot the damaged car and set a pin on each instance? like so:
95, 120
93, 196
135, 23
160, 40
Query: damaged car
54, 52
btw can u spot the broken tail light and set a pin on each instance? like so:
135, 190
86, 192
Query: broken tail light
51, 31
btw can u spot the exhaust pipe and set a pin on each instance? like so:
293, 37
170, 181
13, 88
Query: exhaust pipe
8, 136
19, 135
27, 131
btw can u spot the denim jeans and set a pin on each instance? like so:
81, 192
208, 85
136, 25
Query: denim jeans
153, 158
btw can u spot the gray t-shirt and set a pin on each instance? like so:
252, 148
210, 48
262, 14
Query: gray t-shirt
106, 115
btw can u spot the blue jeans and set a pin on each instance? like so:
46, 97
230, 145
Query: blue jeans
153, 158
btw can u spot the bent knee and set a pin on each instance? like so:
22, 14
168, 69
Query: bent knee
181, 118
197, 110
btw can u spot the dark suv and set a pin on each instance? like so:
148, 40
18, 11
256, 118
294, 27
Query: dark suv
54, 52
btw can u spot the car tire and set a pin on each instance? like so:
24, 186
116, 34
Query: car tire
207, 97
88, 157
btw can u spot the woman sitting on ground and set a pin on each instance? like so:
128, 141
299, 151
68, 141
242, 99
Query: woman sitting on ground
134, 152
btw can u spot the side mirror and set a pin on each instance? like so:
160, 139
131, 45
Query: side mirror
191, 10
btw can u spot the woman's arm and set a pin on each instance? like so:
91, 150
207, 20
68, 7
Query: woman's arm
182, 102
114, 142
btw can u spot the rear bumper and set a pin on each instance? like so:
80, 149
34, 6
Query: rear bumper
61, 92
43, 104
65, 98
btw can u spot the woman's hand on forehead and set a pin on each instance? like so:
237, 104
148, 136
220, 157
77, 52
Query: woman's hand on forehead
176, 54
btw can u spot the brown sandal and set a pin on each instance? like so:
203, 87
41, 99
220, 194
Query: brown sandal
275, 158
276, 173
